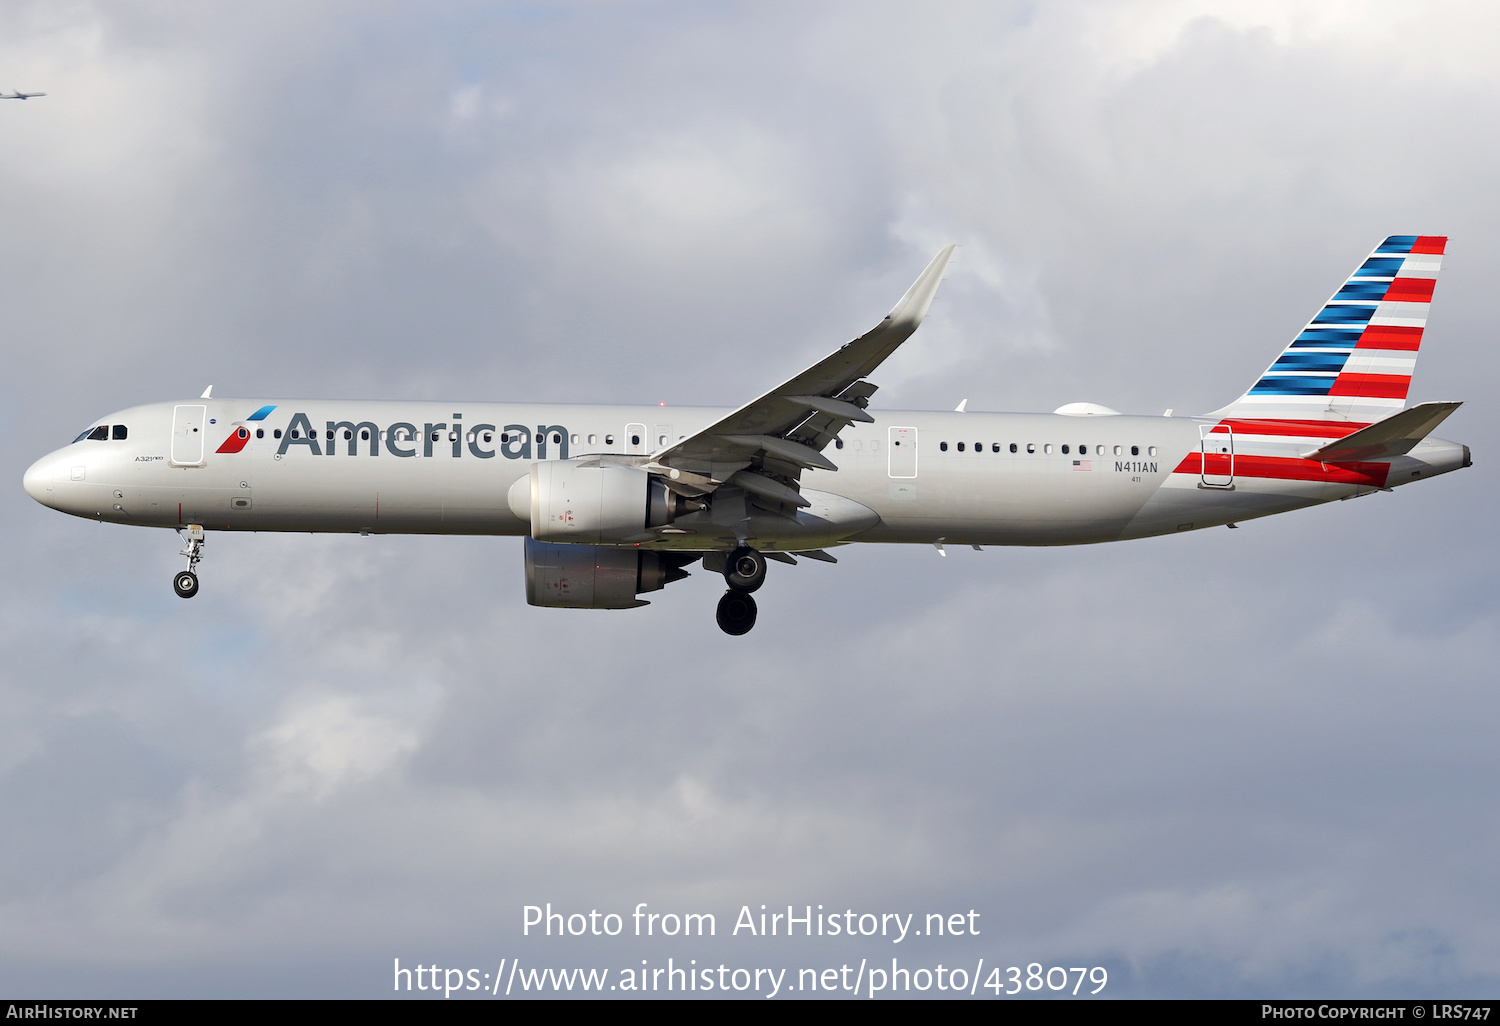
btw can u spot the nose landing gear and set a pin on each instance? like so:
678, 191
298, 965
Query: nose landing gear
186, 581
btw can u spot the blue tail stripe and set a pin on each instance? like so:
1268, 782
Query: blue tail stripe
1344, 315
261, 414
1374, 290
1380, 267
1332, 338
1272, 385
1310, 362
1398, 244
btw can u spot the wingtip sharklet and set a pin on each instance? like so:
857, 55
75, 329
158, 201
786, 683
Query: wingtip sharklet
914, 305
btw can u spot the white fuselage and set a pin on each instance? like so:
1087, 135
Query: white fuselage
1019, 479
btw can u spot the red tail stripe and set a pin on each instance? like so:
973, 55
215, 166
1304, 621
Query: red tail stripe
1430, 244
1381, 336
1309, 428
1290, 469
1410, 290
1372, 386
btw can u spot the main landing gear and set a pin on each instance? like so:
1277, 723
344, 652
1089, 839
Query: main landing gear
186, 581
744, 572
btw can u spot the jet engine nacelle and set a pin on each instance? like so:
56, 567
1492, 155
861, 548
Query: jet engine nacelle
592, 501
597, 577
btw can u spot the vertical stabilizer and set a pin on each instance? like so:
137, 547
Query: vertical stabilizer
1354, 360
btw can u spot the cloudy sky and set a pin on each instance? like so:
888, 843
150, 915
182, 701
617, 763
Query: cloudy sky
1247, 764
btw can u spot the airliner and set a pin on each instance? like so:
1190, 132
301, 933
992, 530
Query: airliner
615, 502
18, 95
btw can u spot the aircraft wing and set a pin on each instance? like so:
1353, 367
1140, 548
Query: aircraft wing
766, 444
1395, 436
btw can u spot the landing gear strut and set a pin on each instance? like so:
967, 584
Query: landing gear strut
186, 581
736, 614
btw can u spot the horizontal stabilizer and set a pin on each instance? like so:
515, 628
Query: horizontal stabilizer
1394, 436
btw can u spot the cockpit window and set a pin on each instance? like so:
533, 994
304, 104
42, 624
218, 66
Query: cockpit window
120, 432
84, 435
99, 434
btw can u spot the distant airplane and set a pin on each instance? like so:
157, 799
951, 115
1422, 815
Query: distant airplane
19, 95
615, 501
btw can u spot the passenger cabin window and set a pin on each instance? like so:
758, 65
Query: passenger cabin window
260, 432
609, 439
635, 439
1031, 447
1135, 450
1151, 451
1065, 450
276, 433
1013, 446
1047, 448
960, 447
1117, 450
943, 446
996, 447
838, 443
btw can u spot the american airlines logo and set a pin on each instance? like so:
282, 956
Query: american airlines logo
403, 439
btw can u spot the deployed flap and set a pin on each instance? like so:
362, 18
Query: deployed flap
786, 428
1394, 436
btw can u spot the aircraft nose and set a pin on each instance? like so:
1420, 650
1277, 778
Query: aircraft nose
41, 478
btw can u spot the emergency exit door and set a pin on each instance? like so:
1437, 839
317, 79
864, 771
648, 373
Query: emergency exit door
902, 452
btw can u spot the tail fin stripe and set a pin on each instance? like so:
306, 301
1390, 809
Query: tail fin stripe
1390, 336
1374, 386
1398, 244
1380, 267
1351, 314
1411, 290
1329, 338
1360, 290
1311, 362
1430, 244
1293, 386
